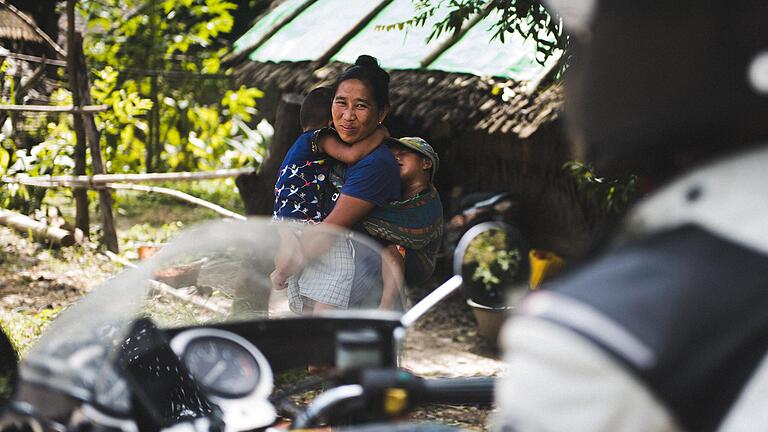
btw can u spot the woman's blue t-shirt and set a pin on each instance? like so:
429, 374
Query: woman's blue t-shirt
375, 178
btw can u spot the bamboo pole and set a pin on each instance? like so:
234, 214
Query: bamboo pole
323, 59
161, 190
33, 59
55, 108
180, 195
31, 23
232, 58
26, 224
102, 179
432, 56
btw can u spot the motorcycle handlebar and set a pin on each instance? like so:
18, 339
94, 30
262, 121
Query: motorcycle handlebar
388, 393
458, 390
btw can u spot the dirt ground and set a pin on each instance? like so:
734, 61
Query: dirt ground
35, 279
446, 344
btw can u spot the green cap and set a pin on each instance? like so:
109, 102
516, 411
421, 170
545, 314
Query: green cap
420, 146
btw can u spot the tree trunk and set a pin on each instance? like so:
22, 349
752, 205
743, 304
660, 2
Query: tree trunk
153, 140
258, 190
105, 196
82, 219
154, 125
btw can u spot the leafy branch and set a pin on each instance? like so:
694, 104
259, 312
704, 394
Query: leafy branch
611, 196
527, 18
489, 252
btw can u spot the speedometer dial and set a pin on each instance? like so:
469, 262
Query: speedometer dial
232, 371
222, 366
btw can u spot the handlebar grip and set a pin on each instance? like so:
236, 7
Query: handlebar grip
459, 390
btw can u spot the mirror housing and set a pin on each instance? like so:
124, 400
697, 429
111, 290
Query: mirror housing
491, 258
9, 371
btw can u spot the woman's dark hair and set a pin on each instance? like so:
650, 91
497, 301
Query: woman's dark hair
367, 70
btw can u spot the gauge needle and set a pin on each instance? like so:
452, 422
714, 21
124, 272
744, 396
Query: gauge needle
214, 373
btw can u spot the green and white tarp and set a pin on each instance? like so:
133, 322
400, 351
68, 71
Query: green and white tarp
323, 23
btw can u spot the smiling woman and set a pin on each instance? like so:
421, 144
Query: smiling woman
354, 111
360, 103
361, 100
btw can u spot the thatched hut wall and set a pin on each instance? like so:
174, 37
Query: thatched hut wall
551, 213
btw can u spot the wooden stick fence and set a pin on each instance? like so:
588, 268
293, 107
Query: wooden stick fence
55, 108
88, 136
177, 194
101, 179
117, 181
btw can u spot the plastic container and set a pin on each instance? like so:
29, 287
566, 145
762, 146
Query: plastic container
544, 264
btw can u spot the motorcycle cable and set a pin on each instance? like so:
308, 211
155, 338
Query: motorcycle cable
286, 407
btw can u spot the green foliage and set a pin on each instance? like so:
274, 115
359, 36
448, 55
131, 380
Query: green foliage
156, 64
488, 250
25, 327
493, 266
610, 196
525, 17
162, 58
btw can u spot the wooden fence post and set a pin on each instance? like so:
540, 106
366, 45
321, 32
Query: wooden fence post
82, 219
93, 138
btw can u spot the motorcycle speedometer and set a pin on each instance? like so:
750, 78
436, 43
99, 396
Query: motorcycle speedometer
232, 371
221, 366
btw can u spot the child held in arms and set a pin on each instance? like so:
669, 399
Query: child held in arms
413, 226
411, 229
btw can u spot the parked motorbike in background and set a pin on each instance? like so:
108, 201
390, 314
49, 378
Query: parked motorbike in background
140, 354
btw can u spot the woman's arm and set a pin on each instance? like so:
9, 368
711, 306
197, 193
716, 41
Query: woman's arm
351, 153
314, 242
347, 212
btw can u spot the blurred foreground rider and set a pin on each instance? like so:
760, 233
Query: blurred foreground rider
667, 329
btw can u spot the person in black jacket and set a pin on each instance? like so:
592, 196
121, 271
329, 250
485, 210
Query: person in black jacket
665, 329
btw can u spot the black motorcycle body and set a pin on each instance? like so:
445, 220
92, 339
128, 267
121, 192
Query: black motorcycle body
139, 354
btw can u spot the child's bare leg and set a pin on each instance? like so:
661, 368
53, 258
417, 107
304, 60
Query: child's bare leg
320, 307
287, 259
392, 271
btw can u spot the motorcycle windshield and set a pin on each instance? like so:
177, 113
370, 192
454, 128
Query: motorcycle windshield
216, 272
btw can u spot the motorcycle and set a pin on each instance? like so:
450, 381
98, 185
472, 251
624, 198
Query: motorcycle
160, 347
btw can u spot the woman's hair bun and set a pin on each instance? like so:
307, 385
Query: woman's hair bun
367, 61
367, 69
370, 63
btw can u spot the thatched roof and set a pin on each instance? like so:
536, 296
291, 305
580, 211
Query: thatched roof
14, 28
493, 105
467, 79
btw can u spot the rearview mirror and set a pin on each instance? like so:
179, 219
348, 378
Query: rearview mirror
9, 364
492, 260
